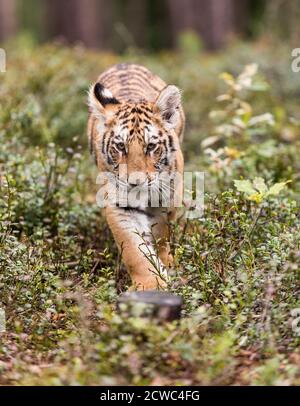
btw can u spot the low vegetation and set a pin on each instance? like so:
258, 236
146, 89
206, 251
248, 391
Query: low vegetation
237, 268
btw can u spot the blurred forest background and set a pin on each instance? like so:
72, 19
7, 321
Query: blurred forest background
148, 24
237, 268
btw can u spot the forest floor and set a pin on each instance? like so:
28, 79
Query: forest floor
237, 268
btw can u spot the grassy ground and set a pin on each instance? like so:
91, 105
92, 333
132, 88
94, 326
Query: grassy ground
237, 268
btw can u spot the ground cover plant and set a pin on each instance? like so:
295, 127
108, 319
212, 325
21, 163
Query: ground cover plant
237, 267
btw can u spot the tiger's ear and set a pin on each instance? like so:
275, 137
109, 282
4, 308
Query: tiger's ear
168, 103
100, 100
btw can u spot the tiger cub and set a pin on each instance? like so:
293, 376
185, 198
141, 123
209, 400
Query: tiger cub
135, 126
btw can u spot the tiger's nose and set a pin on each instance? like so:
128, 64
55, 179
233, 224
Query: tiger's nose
136, 179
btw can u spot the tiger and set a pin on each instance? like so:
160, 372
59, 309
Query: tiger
137, 121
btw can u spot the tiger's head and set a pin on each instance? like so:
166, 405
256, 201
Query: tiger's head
139, 136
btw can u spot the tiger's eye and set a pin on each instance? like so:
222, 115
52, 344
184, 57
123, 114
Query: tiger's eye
121, 146
151, 146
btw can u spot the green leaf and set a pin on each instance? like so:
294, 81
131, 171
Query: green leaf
244, 186
260, 86
260, 185
257, 190
277, 188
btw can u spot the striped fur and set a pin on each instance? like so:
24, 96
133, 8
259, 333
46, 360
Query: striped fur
137, 120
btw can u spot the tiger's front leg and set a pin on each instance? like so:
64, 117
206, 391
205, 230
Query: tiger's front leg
133, 235
161, 233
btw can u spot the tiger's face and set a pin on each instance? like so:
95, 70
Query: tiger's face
136, 137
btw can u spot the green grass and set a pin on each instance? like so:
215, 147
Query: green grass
237, 268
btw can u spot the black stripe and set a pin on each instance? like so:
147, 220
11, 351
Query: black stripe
171, 142
103, 141
135, 209
91, 146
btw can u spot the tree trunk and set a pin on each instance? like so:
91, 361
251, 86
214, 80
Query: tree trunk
241, 15
213, 20
221, 22
8, 19
182, 15
62, 19
135, 20
88, 21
